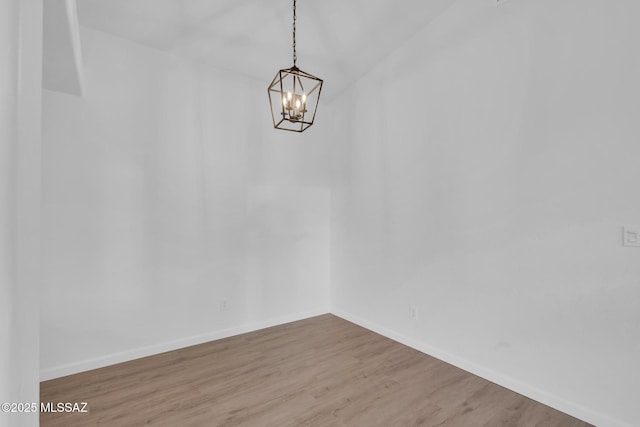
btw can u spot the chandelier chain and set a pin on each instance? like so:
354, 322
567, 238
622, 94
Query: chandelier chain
295, 54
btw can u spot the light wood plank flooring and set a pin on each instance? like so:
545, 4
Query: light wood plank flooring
322, 371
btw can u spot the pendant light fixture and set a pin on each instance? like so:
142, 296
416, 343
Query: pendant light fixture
294, 94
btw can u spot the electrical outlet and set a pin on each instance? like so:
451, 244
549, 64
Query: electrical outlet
413, 312
224, 305
631, 235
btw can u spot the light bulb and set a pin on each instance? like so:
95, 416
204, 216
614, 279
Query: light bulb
297, 103
289, 95
304, 98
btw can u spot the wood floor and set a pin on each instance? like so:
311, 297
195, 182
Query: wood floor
322, 371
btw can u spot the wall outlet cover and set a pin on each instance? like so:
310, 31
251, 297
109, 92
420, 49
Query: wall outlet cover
631, 235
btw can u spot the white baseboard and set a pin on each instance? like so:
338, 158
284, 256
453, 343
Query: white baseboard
136, 353
542, 396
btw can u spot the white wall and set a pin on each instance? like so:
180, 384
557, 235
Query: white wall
20, 106
483, 178
483, 173
166, 190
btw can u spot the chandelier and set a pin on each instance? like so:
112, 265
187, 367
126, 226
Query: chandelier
294, 94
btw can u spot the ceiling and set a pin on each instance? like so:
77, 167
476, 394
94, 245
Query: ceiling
338, 40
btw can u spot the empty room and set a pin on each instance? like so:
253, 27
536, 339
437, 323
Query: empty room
299, 213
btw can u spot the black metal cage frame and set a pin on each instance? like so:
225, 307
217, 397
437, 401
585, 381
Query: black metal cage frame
294, 81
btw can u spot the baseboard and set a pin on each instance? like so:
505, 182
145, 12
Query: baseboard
137, 353
542, 396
